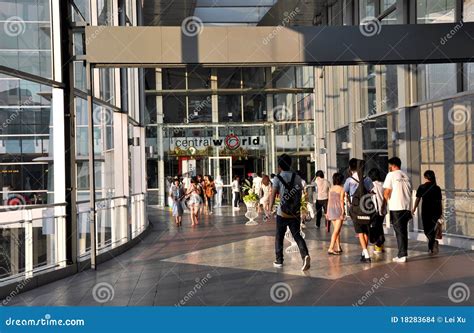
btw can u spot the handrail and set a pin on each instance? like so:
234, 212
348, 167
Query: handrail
29, 207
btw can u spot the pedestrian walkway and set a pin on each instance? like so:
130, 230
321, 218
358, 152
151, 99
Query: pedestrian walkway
224, 262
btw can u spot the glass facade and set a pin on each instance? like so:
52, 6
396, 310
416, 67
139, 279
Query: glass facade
39, 174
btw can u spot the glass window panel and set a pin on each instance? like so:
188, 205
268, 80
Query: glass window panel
374, 132
255, 108
84, 8
305, 77
230, 108
200, 109
435, 11
80, 76
436, 81
305, 106
367, 8
283, 77
105, 14
389, 88
387, 4
174, 109
150, 109
468, 11
231, 14
228, 78
173, 78
253, 77
199, 78
283, 107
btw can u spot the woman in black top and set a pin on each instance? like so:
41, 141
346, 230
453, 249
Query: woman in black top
431, 208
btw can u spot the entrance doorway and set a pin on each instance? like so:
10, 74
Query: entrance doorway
222, 166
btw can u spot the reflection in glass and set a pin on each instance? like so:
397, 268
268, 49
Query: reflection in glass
174, 109
200, 109
255, 108
229, 108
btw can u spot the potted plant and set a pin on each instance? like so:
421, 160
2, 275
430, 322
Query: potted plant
251, 200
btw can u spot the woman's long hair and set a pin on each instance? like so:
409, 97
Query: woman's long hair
430, 175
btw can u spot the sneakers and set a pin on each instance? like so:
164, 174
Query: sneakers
306, 263
379, 249
277, 264
402, 259
364, 259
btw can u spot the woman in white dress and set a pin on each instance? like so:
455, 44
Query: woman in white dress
266, 190
219, 189
195, 201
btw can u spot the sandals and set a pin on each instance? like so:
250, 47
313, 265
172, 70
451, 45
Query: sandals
334, 253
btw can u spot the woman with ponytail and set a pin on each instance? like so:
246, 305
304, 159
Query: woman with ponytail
431, 208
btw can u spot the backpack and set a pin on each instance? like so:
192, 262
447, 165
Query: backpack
362, 209
290, 200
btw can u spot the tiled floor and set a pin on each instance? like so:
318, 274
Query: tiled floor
224, 262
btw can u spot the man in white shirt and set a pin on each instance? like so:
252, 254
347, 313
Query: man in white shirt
186, 181
322, 193
257, 186
397, 193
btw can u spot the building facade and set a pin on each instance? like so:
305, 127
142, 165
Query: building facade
52, 149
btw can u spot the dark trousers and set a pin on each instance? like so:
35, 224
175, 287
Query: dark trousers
400, 219
320, 205
376, 233
294, 225
236, 199
429, 227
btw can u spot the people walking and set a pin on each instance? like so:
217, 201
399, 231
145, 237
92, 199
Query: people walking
376, 233
322, 192
351, 185
429, 193
194, 194
236, 193
219, 189
209, 191
288, 186
335, 212
397, 193
266, 188
177, 194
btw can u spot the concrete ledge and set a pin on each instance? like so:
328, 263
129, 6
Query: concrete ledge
18, 286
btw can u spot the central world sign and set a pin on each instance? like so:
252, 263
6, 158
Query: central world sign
231, 141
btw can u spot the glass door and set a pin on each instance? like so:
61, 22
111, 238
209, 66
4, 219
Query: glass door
222, 167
